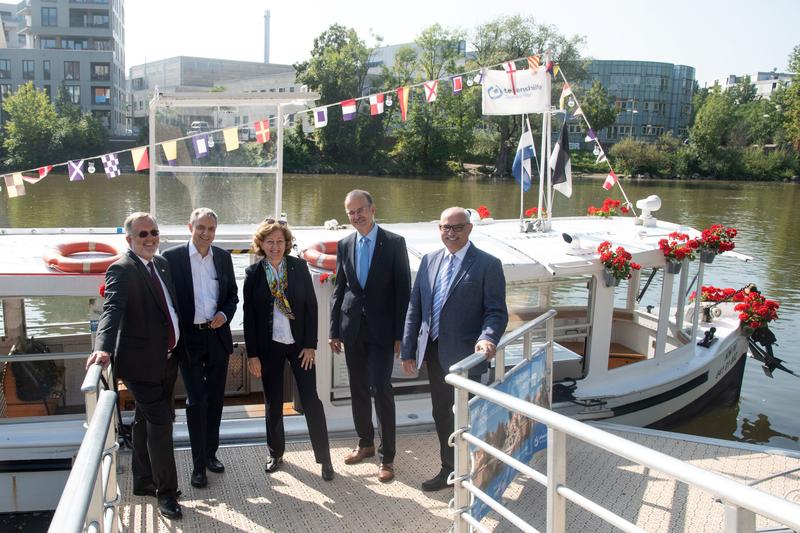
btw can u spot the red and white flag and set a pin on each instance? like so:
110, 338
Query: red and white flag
141, 159
534, 61
457, 85
430, 90
611, 180
376, 104
262, 131
511, 70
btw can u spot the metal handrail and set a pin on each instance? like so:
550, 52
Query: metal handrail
728, 490
81, 487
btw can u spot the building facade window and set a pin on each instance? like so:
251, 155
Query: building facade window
5, 68
46, 69
48, 43
72, 70
101, 71
28, 69
74, 92
101, 95
49, 16
75, 44
81, 18
103, 45
5, 90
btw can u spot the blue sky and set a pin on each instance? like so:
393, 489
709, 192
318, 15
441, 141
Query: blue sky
716, 37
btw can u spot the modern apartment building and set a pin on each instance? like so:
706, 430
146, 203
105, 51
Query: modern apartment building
652, 98
765, 83
77, 44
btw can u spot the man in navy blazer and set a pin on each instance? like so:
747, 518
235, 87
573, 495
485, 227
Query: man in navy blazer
205, 285
457, 307
368, 309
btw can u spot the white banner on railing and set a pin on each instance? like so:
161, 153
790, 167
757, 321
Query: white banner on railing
516, 93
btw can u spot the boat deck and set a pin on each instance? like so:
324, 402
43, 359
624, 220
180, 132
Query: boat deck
244, 498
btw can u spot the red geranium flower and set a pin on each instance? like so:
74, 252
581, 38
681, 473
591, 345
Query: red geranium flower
618, 261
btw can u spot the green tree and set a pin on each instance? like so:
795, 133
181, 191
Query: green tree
598, 108
710, 136
29, 128
513, 37
791, 100
337, 70
743, 92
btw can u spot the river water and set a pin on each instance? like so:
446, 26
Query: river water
762, 212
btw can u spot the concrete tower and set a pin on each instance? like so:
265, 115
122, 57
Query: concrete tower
266, 36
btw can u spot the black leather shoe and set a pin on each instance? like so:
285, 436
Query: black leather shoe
272, 464
151, 491
327, 471
437, 482
199, 478
215, 465
169, 508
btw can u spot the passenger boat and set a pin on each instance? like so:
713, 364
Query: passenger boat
614, 360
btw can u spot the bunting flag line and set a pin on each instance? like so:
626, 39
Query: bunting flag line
578, 112
200, 144
534, 61
561, 165
478, 79
590, 135
566, 91
611, 180
44, 171
430, 90
321, 117
601, 158
15, 186
402, 98
32, 180
170, 152
511, 70
231, 137
262, 131
141, 159
111, 165
349, 109
75, 169
376, 104
457, 85
549, 67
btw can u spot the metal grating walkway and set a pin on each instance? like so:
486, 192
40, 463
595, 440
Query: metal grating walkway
245, 499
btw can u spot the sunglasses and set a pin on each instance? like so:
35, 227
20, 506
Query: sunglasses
270, 220
458, 228
152, 233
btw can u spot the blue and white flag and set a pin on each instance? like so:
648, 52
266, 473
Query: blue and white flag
521, 169
110, 165
75, 170
201, 145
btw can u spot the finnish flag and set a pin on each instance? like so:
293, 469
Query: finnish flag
521, 169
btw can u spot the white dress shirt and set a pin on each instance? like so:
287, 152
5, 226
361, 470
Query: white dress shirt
281, 328
170, 304
204, 283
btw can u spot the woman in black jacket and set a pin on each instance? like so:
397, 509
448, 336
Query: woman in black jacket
280, 323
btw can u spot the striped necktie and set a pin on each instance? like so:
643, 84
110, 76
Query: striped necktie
439, 293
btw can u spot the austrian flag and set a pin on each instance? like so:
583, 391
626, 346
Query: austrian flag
376, 104
611, 180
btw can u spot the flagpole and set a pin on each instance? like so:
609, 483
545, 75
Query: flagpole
543, 150
522, 181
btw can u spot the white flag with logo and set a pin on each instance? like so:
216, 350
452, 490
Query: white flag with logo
530, 92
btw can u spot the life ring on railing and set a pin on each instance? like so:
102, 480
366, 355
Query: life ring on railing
321, 255
58, 257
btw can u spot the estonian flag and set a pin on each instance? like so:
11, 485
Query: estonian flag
522, 161
561, 165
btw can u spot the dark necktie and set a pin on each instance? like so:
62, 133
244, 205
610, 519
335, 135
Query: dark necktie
163, 300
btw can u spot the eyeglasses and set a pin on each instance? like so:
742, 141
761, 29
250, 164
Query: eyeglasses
153, 233
270, 220
358, 212
458, 228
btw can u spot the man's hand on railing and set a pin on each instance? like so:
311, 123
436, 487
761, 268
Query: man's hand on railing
486, 347
98, 357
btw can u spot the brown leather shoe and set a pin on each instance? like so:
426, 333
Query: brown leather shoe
359, 454
386, 472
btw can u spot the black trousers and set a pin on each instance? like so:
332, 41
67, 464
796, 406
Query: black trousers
272, 379
369, 367
153, 462
443, 399
204, 374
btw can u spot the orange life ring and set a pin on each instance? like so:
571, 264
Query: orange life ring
58, 257
321, 255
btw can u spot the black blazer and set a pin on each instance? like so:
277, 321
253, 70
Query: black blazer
228, 297
385, 298
258, 307
134, 325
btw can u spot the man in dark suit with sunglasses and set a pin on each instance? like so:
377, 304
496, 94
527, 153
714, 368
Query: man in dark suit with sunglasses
139, 328
368, 309
207, 298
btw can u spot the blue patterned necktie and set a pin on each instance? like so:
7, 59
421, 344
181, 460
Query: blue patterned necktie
363, 261
439, 293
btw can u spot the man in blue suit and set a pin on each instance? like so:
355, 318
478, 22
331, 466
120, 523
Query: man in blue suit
457, 307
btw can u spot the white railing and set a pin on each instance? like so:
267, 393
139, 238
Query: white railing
90, 497
742, 503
